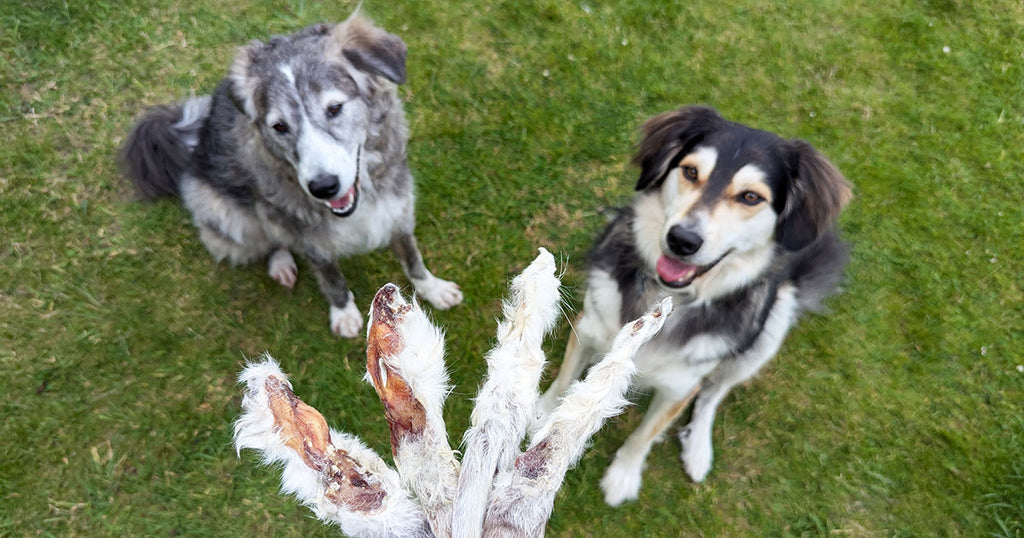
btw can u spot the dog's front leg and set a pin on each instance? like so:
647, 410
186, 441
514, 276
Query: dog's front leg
346, 320
696, 436
443, 294
621, 482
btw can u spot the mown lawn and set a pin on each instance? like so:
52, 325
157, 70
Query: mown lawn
898, 413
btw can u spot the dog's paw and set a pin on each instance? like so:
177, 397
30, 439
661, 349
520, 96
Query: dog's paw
622, 480
281, 267
696, 454
346, 322
443, 294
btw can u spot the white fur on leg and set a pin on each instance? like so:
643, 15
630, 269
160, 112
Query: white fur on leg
697, 452
388, 512
443, 294
505, 402
622, 479
281, 267
346, 322
524, 495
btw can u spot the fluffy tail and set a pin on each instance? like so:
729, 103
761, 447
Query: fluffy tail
818, 270
159, 147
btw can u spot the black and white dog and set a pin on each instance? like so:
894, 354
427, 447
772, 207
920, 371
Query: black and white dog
735, 224
301, 148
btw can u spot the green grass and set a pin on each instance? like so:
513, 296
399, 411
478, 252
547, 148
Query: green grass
897, 414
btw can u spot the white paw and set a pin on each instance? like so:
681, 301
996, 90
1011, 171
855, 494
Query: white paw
697, 452
281, 267
346, 322
443, 294
622, 480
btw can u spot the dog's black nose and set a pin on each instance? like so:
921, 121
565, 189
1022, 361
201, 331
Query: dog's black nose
324, 186
682, 241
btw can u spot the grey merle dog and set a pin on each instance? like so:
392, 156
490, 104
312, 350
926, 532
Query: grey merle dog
301, 148
738, 227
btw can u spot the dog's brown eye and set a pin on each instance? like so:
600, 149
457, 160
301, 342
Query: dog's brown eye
281, 127
333, 110
751, 198
690, 173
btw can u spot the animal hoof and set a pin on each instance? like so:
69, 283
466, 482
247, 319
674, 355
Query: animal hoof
346, 322
281, 267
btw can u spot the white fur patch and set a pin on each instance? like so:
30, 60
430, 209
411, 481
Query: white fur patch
346, 322
319, 153
443, 294
281, 267
193, 111
704, 158
648, 226
514, 367
751, 176
289, 75
621, 481
371, 226
256, 430
601, 306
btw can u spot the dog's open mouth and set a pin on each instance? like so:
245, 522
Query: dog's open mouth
345, 204
679, 274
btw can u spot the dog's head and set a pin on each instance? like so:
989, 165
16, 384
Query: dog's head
307, 94
716, 198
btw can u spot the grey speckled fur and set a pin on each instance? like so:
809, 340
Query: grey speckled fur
301, 148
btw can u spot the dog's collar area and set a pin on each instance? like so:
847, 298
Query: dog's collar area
676, 274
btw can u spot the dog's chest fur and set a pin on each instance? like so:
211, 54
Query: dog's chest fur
704, 331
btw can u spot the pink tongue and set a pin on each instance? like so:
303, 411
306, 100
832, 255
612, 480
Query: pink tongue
344, 201
672, 270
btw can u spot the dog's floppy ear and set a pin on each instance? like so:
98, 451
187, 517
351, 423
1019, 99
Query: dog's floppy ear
371, 49
817, 193
666, 136
243, 83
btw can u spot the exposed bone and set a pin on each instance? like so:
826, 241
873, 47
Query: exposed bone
499, 490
